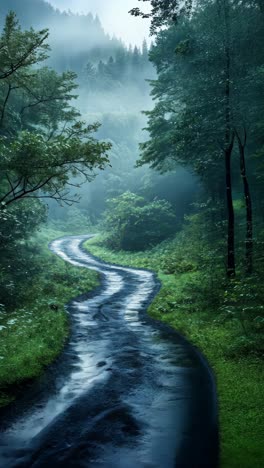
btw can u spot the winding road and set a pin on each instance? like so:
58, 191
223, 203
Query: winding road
128, 392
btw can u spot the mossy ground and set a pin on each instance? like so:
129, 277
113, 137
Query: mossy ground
239, 378
34, 335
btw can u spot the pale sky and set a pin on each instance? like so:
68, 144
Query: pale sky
114, 17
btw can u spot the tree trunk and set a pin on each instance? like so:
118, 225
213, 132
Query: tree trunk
248, 203
231, 264
229, 144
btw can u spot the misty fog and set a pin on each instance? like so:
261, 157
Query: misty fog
113, 90
114, 17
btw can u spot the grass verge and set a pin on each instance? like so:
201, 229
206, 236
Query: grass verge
32, 336
239, 377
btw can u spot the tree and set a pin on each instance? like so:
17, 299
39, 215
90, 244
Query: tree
33, 167
203, 94
30, 103
18, 263
45, 148
248, 202
136, 58
145, 50
46, 151
163, 13
224, 11
121, 62
135, 224
20, 49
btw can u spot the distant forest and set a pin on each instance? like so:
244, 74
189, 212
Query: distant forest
75, 39
114, 89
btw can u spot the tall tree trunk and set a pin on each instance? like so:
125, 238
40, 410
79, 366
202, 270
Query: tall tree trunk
229, 144
248, 203
231, 263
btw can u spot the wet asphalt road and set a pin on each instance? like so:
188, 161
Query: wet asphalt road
128, 392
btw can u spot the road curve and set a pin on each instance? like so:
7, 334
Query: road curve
128, 392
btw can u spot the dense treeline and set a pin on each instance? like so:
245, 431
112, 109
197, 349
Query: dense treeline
123, 131
114, 92
211, 113
75, 38
126, 67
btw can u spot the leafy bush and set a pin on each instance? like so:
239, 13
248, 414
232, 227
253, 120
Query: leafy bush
18, 260
135, 224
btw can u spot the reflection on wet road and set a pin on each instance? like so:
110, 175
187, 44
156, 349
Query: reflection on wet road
128, 392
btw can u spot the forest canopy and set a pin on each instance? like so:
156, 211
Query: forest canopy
208, 113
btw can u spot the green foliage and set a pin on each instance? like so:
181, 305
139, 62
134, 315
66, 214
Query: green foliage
20, 49
134, 224
164, 13
21, 220
45, 151
242, 305
208, 105
17, 263
77, 223
35, 167
43, 141
188, 121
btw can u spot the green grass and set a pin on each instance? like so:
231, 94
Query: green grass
32, 336
239, 378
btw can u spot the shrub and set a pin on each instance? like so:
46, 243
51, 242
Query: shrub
135, 224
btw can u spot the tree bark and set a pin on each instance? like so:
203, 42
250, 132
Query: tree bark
229, 144
231, 263
248, 203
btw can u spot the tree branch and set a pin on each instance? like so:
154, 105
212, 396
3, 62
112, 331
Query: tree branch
21, 62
